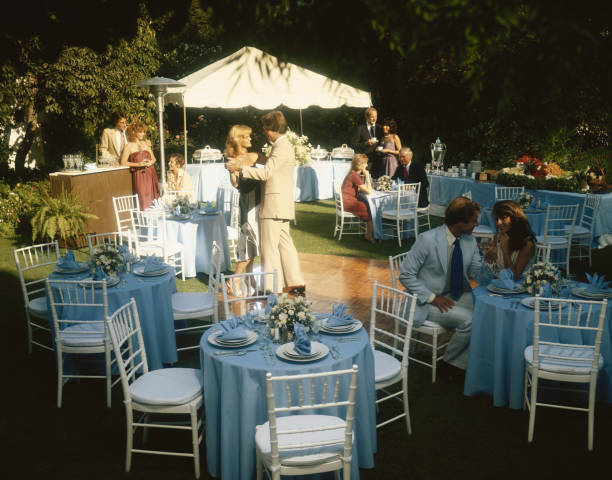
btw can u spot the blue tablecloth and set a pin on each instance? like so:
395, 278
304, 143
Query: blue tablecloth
444, 189
537, 219
500, 333
153, 297
197, 234
235, 398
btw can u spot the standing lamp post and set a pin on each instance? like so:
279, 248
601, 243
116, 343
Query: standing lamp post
158, 87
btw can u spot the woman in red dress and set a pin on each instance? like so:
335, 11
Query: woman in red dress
138, 155
352, 185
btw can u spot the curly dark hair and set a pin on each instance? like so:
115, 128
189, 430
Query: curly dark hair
392, 124
520, 230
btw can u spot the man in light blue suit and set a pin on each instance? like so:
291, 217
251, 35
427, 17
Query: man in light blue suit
436, 271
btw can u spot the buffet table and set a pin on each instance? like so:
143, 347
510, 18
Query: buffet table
444, 189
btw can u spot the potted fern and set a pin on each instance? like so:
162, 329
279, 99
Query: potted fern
63, 217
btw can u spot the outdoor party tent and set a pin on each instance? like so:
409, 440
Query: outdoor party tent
251, 77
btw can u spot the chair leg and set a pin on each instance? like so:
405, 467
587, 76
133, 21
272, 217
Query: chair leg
129, 418
532, 402
107, 358
434, 356
195, 442
258, 467
60, 375
28, 321
341, 228
591, 420
407, 408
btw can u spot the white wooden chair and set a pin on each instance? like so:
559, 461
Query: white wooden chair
429, 328
542, 254
95, 239
558, 232
199, 305
167, 391
32, 265
391, 320
573, 356
347, 223
124, 206
423, 213
582, 238
78, 309
149, 235
233, 229
480, 231
249, 291
301, 442
508, 193
403, 214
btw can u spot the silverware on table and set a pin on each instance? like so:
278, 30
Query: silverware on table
347, 339
237, 353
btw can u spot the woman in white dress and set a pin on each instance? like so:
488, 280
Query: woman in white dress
513, 246
236, 146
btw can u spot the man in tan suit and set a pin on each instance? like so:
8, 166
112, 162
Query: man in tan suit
277, 208
113, 139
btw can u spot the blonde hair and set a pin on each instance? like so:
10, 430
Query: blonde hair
358, 160
232, 143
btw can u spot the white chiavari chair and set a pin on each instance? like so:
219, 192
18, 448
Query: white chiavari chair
242, 292
95, 239
508, 193
124, 206
347, 223
403, 214
582, 238
558, 232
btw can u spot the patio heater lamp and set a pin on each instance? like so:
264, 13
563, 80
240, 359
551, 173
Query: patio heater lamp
158, 87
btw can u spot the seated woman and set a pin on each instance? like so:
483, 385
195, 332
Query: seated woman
178, 178
352, 185
514, 246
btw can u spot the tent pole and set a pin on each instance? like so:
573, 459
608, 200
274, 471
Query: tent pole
301, 126
184, 123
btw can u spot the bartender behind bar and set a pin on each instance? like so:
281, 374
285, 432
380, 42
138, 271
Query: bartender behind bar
113, 139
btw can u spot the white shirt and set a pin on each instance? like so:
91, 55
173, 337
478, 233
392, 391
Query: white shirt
118, 135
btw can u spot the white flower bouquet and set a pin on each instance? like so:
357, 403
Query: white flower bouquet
107, 256
287, 312
301, 146
539, 274
180, 205
524, 200
383, 184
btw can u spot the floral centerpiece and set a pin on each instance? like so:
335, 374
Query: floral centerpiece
539, 274
383, 184
108, 256
180, 205
287, 312
524, 200
301, 146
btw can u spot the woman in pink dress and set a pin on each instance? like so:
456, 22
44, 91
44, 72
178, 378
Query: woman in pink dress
390, 146
352, 185
138, 155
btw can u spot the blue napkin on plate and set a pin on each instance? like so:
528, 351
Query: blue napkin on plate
546, 290
233, 329
339, 318
597, 284
100, 274
272, 301
505, 279
208, 207
68, 262
301, 342
153, 264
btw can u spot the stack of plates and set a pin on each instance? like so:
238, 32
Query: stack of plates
529, 302
506, 291
317, 351
240, 342
182, 216
341, 329
110, 281
139, 270
209, 212
69, 271
583, 293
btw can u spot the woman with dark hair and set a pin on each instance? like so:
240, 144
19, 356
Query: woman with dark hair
390, 146
513, 246
138, 155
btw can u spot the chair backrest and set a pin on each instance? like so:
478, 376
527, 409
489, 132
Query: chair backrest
467, 194
338, 198
95, 239
395, 263
391, 318
408, 198
590, 209
128, 344
249, 291
327, 393
508, 193
149, 227
542, 253
81, 305
225, 200
560, 221
123, 207
561, 323
32, 264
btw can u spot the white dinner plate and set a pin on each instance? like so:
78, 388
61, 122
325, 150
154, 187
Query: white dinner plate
342, 329
110, 282
506, 291
183, 216
212, 339
529, 302
582, 293
209, 212
317, 351
83, 266
139, 270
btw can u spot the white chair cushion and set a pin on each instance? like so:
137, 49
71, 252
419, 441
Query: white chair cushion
404, 213
483, 229
580, 363
578, 230
429, 325
348, 214
192, 302
167, 386
38, 307
552, 241
386, 366
83, 335
303, 456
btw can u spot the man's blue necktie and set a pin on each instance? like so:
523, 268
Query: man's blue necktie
456, 271
371, 130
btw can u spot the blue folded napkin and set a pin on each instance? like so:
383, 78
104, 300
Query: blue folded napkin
208, 207
272, 301
505, 279
233, 329
68, 262
153, 264
124, 251
339, 317
597, 284
100, 274
301, 342
546, 290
